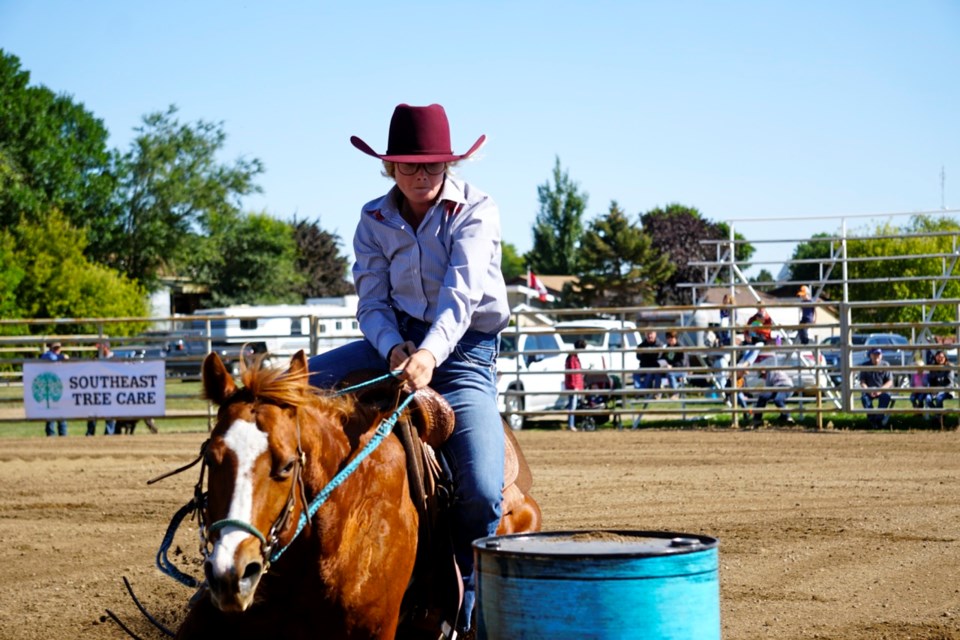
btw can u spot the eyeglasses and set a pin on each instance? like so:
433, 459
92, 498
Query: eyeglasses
411, 168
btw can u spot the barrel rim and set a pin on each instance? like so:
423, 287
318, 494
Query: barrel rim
706, 543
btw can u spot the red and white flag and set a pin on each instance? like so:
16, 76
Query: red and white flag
534, 283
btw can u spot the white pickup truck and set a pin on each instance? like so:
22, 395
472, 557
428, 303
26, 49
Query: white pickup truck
530, 371
611, 345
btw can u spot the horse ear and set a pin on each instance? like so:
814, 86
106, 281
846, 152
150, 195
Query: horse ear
299, 370
218, 384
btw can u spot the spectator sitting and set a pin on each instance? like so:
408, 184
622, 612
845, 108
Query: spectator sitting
875, 380
774, 378
918, 380
674, 361
760, 327
649, 355
940, 377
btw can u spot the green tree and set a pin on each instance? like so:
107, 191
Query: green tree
620, 266
511, 262
762, 280
171, 186
558, 226
59, 282
11, 274
811, 262
53, 154
678, 230
320, 262
902, 241
250, 258
869, 249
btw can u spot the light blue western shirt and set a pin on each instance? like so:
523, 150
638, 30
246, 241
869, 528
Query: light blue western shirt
445, 273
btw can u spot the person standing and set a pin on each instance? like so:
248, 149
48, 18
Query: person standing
109, 425
875, 380
432, 303
724, 334
54, 353
808, 314
573, 381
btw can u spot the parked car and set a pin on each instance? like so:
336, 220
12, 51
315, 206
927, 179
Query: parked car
611, 344
530, 369
896, 351
138, 352
185, 350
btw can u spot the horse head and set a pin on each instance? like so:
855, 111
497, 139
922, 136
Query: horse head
255, 462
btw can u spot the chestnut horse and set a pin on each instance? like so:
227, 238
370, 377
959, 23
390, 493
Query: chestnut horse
271, 569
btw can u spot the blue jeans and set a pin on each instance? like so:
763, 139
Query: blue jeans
936, 401
749, 356
572, 406
109, 427
646, 380
52, 426
467, 380
674, 380
779, 399
883, 401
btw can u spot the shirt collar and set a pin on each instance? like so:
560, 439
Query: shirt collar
452, 191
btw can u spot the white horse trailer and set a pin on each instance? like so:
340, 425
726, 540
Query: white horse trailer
282, 330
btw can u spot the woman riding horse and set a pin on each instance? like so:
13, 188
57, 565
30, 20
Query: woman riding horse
432, 303
309, 520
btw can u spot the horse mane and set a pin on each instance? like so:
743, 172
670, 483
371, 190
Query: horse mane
283, 388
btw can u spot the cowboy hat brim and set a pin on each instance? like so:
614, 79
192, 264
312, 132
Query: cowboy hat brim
421, 157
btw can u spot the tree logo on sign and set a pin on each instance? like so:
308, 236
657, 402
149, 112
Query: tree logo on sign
47, 387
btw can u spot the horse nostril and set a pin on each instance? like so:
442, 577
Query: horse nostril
253, 569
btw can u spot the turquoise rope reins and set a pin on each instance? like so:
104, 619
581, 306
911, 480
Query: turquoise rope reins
385, 428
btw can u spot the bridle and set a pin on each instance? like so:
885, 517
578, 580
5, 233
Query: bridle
271, 540
270, 550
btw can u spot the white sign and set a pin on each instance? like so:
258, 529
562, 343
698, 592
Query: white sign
94, 389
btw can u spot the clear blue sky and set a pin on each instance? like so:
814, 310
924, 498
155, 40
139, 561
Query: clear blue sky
745, 110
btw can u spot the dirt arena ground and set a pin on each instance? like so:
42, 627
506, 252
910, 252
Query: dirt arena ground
845, 535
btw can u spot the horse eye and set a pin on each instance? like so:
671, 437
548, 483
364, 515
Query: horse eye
287, 469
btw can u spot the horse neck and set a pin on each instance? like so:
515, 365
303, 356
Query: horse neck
325, 446
329, 443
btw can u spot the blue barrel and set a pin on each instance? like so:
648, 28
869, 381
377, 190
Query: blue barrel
598, 584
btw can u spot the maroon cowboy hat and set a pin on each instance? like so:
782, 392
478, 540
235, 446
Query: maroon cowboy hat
418, 134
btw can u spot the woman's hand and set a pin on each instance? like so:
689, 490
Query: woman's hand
399, 353
416, 370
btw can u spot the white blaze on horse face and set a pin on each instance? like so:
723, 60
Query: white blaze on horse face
247, 443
